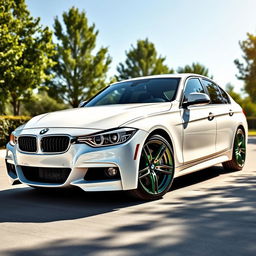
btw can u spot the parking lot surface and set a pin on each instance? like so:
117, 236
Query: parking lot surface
210, 212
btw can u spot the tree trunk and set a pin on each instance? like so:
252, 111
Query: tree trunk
16, 106
2, 108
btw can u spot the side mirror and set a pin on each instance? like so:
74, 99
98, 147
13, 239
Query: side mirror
82, 104
196, 98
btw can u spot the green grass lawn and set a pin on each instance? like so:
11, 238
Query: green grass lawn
252, 132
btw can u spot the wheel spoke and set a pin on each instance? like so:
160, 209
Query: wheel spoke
160, 153
154, 182
239, 159
164, 171
165, 166
237, 152
147, 153
144, 174
242, 150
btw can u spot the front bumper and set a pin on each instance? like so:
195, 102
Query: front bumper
79, 158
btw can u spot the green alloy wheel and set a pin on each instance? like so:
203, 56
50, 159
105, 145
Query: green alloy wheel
239, 152
156, 169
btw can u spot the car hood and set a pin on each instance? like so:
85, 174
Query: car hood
100, 117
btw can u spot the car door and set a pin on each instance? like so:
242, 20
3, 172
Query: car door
223, 112
199, 126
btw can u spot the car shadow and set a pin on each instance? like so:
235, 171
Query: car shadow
213, 221
21, 204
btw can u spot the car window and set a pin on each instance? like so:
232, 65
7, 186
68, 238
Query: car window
214, 92
115, 96
225, 97
137, 91
193, 85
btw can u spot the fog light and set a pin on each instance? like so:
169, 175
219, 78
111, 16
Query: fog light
111, 172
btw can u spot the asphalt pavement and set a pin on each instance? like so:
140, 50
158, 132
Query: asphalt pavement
210, 212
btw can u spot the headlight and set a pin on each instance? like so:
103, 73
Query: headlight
108, 138
13, 139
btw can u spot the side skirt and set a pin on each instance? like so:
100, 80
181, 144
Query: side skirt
202, 164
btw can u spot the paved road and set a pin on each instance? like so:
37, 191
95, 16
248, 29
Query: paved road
210, 212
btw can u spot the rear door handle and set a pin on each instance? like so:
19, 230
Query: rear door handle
231, 113
211, 116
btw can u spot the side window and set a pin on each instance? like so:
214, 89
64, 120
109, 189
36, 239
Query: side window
193, 85
224, 96
214, 92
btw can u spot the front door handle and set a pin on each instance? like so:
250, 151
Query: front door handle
211, 116
231, 113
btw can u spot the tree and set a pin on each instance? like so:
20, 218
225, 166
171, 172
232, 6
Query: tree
26, 49
79, 73
142, 60
195, 68
2, 102
41, 103
247, 67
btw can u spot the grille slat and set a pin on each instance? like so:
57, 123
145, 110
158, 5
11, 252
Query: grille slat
46, 175
27, 143
56, 144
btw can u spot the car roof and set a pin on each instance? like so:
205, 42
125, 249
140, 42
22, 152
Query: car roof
183, 75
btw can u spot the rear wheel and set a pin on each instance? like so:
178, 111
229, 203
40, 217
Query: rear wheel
156, 169
239, 152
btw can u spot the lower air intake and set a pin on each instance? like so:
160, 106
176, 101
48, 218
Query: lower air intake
46, 175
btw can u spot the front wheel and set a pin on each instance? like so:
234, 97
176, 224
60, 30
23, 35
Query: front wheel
156, 169
239, 152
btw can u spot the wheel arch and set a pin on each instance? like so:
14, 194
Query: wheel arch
242, 127
239, 126
164, 134
244, 130
174, 137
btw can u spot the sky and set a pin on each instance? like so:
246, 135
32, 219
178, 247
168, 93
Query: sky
183, 31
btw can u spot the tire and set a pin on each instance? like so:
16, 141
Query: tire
156, 169
239, 153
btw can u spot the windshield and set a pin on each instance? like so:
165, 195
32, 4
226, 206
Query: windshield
137, 91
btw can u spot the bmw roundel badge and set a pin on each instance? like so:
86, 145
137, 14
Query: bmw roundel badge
45, 130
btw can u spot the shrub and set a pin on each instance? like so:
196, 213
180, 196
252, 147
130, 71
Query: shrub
9, 124
41, 103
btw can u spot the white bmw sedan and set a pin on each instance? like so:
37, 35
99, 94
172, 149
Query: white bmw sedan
135, 135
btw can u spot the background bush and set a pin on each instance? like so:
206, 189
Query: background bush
41, 103
8, 124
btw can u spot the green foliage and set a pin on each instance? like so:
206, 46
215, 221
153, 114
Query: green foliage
195, 68
79, 73
236, 96
2, 102
248, 106
25, 51
9, 124
247, 67
41, 103
142, 60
